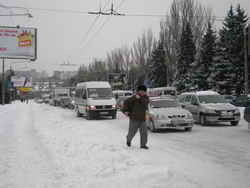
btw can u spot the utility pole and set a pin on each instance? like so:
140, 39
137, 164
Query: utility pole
3, 85
246, 53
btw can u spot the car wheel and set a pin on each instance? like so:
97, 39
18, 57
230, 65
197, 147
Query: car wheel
89, 116
234, 123
151, 126
202, 120
188, 129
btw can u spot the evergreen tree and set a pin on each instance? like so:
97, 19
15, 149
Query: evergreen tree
222, 71
238, 46
157, 65
185, 60
230, 55
204, 66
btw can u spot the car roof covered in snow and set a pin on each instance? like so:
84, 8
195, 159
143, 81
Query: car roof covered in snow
162, 98
208, 92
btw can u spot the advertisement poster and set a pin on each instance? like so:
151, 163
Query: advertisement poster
22, 83
18, 43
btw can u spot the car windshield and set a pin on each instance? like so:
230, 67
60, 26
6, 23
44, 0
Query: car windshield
205, 99
100, 93
164, 103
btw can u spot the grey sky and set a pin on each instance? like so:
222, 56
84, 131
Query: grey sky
62, 36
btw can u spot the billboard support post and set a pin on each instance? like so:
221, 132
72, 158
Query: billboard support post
3, 85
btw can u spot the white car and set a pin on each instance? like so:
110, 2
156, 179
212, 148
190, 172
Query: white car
167, 113
209, 107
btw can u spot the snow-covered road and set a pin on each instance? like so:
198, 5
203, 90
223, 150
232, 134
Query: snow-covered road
42, 146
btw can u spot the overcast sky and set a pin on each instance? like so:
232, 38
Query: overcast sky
62, 35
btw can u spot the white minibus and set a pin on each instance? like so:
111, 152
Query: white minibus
94, 99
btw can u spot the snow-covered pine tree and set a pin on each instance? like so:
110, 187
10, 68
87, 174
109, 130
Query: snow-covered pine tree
238, 49
185, 60
221, 75
203, 68
157, 67
230, 55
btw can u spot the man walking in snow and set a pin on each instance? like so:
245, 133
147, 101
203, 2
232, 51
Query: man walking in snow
136, 108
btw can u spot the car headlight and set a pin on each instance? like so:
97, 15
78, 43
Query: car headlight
237, 111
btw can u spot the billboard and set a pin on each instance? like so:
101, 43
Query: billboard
18, 43
21, 81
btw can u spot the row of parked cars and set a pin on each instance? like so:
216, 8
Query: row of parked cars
94, 99
181, 112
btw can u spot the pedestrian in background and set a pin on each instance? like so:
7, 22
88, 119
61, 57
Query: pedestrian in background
136, 108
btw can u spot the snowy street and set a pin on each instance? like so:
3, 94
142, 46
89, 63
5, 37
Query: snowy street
43, 146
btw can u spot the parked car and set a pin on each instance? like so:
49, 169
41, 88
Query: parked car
166, 113
46, 98
122, 93
209, 107
242, 101
120, 102
65, 102
39, 100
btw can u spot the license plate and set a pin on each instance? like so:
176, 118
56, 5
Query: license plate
177, 121
103, 113
226, 116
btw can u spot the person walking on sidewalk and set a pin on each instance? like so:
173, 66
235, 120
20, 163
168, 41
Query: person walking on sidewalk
135, 108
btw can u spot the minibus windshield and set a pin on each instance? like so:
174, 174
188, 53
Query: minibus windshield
100, 93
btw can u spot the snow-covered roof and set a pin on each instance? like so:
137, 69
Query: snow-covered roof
122, 91
162, 98
94, 84
209, 92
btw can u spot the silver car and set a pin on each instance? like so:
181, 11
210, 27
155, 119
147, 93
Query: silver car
209, 107
166, 113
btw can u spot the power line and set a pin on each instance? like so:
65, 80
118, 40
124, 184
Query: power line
59, 10
92, 26
104, 23
100, 12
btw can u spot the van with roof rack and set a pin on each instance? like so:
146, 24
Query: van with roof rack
209, 107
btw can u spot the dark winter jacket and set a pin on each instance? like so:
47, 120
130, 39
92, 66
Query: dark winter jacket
136, 108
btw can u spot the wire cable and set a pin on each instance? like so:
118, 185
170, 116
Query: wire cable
85, 36
59, 10
102, 26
